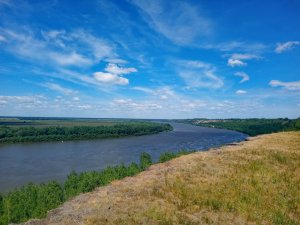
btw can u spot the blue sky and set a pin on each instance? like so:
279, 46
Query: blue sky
150, 58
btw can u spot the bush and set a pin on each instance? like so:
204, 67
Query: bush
35, 200
145, 160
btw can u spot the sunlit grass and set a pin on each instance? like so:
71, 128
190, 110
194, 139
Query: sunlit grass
257, 182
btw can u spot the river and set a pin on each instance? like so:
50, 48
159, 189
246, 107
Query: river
41, 162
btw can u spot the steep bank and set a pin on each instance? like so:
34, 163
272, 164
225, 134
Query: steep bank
253, 182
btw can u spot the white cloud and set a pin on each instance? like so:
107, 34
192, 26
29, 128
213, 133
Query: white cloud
77, 48
292, 86
144, 89
244, 56
115, 69
245, 77
113, 74
59, 88
23, 101
241, 92
130, 105
237, 59
84, 107
235, 62
101, 49
178, 21
164, 92
236, 46
70, 59
198, 74
109, 78
282, 47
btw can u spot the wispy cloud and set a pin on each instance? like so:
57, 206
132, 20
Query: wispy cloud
236, 46
235, 62
286, 46
292, 86
58, 88
78, 48
23, 101
245, 77
178, 21
238, 59
198, 74
163, 93
129, 104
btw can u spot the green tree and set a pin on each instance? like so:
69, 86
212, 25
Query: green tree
145, 160
71, 187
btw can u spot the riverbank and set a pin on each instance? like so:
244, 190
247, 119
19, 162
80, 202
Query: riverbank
251, 127
253, 182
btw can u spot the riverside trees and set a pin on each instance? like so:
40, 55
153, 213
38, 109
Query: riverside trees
33, 134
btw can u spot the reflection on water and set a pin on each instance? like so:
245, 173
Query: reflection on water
41, 162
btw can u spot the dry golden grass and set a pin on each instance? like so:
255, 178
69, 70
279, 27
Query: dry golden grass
255, 182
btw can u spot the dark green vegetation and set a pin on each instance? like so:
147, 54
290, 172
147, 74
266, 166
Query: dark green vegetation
251, 127
164, 157
54, 130
34, 200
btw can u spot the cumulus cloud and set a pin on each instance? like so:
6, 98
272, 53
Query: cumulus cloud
245, 77
241, 92
113, 74
292, 86
109, 78
178, 21
286, 46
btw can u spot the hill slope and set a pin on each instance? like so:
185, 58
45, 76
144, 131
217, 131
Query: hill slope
253, 182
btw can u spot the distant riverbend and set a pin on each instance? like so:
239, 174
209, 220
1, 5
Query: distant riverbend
41, 162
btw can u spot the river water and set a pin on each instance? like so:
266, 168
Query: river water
41, 162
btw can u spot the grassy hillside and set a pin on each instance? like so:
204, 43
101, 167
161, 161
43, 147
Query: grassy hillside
255, 182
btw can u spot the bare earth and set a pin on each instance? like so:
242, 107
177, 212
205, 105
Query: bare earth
254, 182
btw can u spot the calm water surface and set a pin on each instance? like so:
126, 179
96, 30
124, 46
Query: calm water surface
41, 162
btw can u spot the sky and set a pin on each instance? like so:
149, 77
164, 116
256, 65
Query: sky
150, 58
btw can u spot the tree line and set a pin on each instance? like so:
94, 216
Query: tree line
252, 127
35, 200
34, 134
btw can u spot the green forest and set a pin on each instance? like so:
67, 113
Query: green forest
252, 127
34, 200
61, 133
